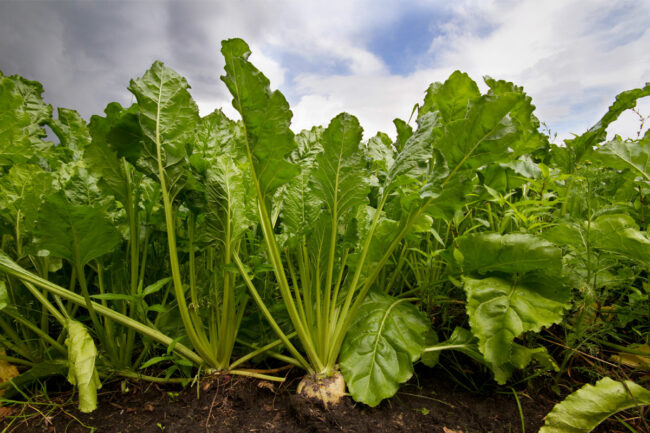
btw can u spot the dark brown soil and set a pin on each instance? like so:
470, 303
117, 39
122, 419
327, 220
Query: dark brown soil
236, 404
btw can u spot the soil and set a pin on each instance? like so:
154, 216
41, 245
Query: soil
430, 403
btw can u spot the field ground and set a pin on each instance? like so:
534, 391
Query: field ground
431, 403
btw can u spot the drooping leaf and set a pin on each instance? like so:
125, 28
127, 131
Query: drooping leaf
583, 410
501, 310
78, 233
82, 373
387, 336
266, 117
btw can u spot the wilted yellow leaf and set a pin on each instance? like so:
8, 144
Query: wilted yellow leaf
634, 360
7, 371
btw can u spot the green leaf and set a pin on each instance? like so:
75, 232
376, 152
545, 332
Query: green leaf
168, 114
417, 149
216, 134
623, 155
404, 132
82, 354
301, 207
4, 295
483, 136
577, 148
266, 117
120, 131
379, 152
461, 340
511, 253
501, 310
339, 179
587, 407
78, 233
72, 131
530, 139
22, 114
388, 335
229, 198
155, 287
620, 233
103, 162
452, 98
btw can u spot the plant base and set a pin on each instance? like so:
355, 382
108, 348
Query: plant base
329, 390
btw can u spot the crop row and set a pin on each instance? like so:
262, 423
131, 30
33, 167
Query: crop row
154, 238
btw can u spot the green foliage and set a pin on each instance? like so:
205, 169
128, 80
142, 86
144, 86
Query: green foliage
167, 223
387, 336
583, 410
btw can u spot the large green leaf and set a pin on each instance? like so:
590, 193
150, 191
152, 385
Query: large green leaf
417, 150
621, 234
216, 134
72, 131
22, 114
168, 114
622, 155
266, 116
587, 407
339, 179
78, 233
229, 200
501, 310
511, 253
103, 162
301, 207
119, 130
529, 139
483, 136
82, 354
452, 98
387, 336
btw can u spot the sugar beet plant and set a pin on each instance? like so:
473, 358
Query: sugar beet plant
154, 232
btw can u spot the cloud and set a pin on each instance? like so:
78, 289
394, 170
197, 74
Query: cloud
572, 57
373, 59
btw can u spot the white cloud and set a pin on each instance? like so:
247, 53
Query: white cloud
572, 57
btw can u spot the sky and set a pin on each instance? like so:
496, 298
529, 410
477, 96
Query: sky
374, 59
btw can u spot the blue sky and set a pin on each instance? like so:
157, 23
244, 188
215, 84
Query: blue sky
373, 59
